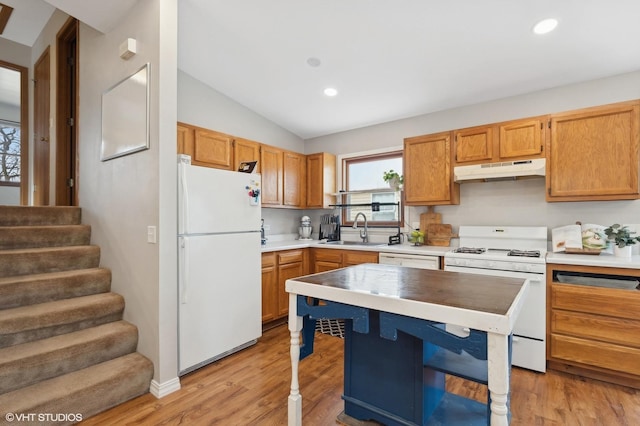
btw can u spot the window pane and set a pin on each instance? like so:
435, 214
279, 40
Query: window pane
365, 174
368, 174
9, 153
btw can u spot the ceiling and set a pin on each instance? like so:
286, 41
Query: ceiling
388, 59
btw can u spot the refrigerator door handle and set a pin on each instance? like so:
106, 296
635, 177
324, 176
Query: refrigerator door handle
184, 205
183, 279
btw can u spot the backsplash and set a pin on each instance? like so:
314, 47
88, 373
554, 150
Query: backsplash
504, 203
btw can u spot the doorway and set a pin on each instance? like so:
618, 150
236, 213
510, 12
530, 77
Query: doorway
67, 115
14, 134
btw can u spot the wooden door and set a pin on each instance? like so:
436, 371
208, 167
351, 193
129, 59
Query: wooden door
294, 179
66, 165
593, 154
41, 98
522, 138
428, 178
474, 144
271, 159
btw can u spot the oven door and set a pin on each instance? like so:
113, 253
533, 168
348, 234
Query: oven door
532, 319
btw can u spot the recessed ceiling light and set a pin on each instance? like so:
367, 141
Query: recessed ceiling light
313, 62
330, 91
545, 26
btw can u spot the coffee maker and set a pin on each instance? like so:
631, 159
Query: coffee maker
305, 228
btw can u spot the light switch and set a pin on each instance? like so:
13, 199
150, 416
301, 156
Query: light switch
151, 234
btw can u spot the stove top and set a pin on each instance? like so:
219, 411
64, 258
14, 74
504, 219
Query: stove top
508, 252
500, 246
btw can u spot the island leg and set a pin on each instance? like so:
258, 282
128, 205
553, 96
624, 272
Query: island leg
498, 366
295, 398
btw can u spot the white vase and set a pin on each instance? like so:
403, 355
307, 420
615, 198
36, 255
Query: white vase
622, 252
394, 183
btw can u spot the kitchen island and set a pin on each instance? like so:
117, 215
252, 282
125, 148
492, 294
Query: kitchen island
487, 305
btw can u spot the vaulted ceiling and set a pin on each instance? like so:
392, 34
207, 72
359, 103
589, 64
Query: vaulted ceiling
387, 59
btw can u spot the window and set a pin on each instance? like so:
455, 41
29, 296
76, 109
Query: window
9, 153
362, 177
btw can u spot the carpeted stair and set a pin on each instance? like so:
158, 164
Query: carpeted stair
65, 352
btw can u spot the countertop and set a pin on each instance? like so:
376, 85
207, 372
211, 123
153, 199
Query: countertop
480, 302
382, 248
603, 259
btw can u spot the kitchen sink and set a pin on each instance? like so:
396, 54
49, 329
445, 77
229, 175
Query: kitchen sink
353, 243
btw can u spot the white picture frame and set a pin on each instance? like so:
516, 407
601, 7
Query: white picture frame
125, 116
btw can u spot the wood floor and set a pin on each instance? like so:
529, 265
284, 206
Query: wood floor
251, 388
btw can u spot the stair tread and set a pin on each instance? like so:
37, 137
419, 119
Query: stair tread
85, 247
38, 347
48, 275
27, 363
87, 391
39, 215
69, 310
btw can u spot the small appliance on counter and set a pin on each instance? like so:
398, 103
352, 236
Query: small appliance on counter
329, 227
305, 229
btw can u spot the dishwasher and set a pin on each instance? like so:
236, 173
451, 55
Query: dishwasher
410, 260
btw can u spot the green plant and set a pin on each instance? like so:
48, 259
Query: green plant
390, 175
621, 235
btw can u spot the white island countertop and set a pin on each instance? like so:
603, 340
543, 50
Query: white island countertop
603, 259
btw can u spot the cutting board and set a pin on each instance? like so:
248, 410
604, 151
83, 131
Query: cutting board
439, 234
428, 218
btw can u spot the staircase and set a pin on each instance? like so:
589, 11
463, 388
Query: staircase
64, 349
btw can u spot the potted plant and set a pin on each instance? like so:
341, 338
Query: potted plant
622, 238
393, 179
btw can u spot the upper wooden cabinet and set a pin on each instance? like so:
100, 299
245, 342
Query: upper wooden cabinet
321, 180
245, 150
509, 140
294, 179
209, 148
272, 175
593, 154
428, 178
474, 144
212, 149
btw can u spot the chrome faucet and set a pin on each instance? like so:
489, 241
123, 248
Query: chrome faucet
363, 233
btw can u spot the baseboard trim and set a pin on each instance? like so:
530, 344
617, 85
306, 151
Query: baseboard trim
160, 390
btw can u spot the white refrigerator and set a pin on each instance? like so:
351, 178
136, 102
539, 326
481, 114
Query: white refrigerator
219, 283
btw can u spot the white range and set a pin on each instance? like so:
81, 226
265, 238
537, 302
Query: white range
517, 252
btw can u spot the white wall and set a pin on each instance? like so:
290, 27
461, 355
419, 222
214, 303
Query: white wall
503, 203
203, 106
120, 198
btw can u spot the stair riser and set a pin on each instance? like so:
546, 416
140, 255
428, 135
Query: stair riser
21, 237
25, 215
29, 290
23, 262
64, 354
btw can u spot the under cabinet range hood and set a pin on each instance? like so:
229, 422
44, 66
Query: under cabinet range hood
500, 171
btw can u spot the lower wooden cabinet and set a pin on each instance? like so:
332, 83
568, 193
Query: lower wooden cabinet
594, 331
277, 268
269, 287
328, 259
